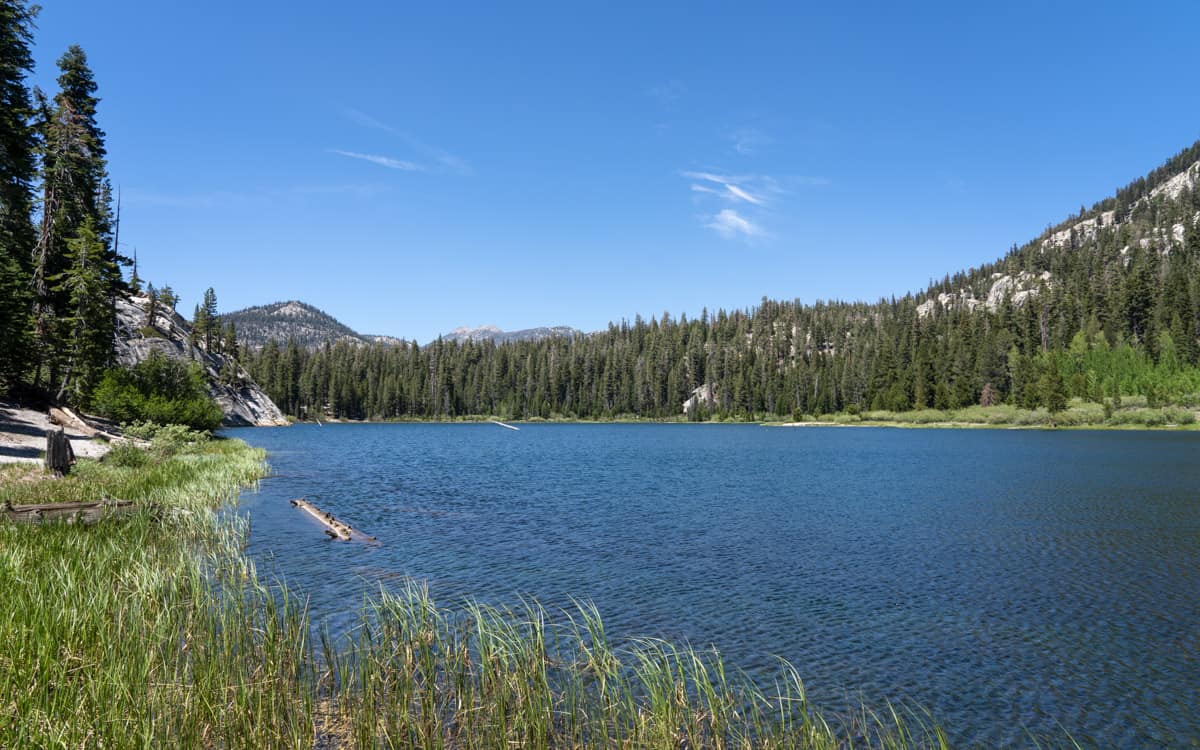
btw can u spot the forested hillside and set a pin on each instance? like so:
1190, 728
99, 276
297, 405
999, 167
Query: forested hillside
309, 326
1101, 306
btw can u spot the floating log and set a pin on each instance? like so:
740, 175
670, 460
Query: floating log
86, 513
333, 527
59, 453
496, 421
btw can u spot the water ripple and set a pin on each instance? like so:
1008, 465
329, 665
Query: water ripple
1009, 582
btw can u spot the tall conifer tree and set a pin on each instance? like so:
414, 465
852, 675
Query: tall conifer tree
18, 144
76, 195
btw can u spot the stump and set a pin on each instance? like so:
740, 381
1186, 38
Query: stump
59, 454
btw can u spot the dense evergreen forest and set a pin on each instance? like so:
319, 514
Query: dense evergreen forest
60, 271
1102, 306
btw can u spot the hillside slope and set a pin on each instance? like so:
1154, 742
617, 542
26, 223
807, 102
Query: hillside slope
308, 325
1102, 305
240, 398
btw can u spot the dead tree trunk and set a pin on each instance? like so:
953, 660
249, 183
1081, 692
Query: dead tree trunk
59, 454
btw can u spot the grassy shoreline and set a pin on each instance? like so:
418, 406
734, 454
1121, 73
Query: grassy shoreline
1133, 414
155, 630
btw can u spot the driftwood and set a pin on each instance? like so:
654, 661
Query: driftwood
86, 513
59, 454
496, 421
68, 418
333, 527
76, 423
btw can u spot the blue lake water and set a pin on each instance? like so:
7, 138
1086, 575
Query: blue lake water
1007, 581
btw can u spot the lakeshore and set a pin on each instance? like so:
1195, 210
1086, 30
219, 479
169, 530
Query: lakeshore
154, 629
160, 629
1135, 414
979, 550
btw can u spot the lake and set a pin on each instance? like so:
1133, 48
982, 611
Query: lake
1007, 581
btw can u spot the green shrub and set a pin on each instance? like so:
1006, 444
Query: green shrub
1177, 415
1030, 417
166, 440
1139, 417
924, 416
159, 390
128, 455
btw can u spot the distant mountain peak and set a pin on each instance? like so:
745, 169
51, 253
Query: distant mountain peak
310, 326
493, 333
468, 332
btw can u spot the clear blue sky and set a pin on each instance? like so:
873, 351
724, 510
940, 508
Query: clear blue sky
412, 168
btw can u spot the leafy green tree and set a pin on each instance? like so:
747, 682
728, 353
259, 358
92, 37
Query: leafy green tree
159, 389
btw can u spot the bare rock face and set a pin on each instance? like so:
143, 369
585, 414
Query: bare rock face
705, 394
1016, 288
240, 398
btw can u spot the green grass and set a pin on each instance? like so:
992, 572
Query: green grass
153, 630
1079, 414
423, 676
149, 630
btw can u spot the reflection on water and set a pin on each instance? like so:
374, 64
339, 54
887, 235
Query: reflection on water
1007, 581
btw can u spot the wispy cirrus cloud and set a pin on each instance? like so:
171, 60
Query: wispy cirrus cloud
445, 161
730, 224
729, 188
748, 199
383, 161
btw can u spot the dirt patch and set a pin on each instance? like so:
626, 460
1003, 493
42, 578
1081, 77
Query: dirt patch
23, 436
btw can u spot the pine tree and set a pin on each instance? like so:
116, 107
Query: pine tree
18, 145
196, 335
168, 298
212, 323
152, 302
76, 194
89, 320
230, 345
1052, 388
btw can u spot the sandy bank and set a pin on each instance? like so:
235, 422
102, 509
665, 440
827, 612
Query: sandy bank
23, 436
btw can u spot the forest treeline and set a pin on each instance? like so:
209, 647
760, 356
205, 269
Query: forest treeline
1100, 306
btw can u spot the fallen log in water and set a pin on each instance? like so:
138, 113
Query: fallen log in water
333, 527
496, 421
87, 513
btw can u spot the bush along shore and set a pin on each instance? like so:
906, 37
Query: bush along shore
153, 630
1133, 414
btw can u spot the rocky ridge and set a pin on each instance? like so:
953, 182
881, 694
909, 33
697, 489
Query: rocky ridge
492, 333
240, 398
1019, 287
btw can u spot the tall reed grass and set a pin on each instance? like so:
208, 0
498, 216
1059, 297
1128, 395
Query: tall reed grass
155, 631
